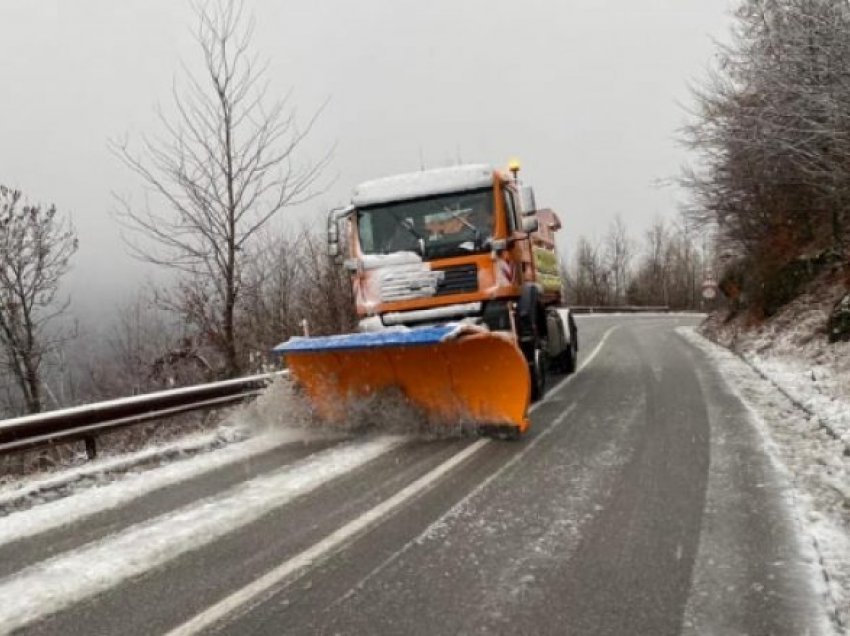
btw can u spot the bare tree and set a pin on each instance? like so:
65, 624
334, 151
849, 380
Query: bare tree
291, 281
272, 282
143, 348
618, 256
657, 264
590, 280
669, 269
148, 350
327, 300
683, 270
36, 246
224, 167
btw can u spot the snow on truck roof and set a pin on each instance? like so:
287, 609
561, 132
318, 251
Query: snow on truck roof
424, 183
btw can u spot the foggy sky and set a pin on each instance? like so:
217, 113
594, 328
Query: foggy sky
588, 94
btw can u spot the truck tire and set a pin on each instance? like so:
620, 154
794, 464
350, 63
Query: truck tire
573, 359
497, 315
570, 355
531, 328
537, 371
512, 434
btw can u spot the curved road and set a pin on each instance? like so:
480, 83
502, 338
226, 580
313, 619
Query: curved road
640, 503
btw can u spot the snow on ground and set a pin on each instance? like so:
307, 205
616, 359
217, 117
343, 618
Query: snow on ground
792, 351
32, 489
52, 585
274, 419
799, 442
91, 497
165, 439
811, 371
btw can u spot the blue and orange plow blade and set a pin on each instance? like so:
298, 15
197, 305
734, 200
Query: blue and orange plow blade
455, 374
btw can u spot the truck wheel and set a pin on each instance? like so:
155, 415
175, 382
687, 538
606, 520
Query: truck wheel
537, 370
498, 431
531, 327
570, 355
511, 433
572, 360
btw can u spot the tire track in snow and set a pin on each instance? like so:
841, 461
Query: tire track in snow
57, 583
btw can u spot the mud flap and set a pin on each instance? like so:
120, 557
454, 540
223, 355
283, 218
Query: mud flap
456, 374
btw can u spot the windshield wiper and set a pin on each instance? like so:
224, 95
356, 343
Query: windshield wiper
407, 224
477, 239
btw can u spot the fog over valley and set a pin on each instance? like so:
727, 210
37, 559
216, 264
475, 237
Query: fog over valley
588, 95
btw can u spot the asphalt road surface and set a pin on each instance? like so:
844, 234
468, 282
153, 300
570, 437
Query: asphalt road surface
641, 502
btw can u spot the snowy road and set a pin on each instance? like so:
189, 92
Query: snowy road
642, 502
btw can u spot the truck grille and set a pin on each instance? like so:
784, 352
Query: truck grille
458, 280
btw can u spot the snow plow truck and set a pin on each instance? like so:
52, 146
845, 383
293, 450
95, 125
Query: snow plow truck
457, 288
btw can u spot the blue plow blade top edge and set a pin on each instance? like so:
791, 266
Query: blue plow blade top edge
390, 338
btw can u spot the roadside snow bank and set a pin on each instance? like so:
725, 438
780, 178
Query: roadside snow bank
47, 587
92, 496
813, 376
36, 504
793, 352
813, 460
40, 488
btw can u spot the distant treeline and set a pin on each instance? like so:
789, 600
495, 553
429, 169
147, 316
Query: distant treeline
667, 266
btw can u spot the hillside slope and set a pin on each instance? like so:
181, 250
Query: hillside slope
792, 349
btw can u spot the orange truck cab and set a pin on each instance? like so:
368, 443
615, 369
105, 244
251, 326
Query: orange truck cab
456, 282
462, 243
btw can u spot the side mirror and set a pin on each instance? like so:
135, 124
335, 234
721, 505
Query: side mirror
527, 203
335, 216
530, 224
333, 234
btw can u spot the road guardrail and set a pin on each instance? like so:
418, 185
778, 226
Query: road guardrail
89, 420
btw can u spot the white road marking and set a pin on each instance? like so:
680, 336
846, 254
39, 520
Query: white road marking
514, 460
318, 550
460, 504
334, 541
57, 583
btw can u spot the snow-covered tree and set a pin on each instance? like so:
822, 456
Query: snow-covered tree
36, 246
772, 126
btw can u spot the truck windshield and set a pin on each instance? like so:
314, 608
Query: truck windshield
438, 226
